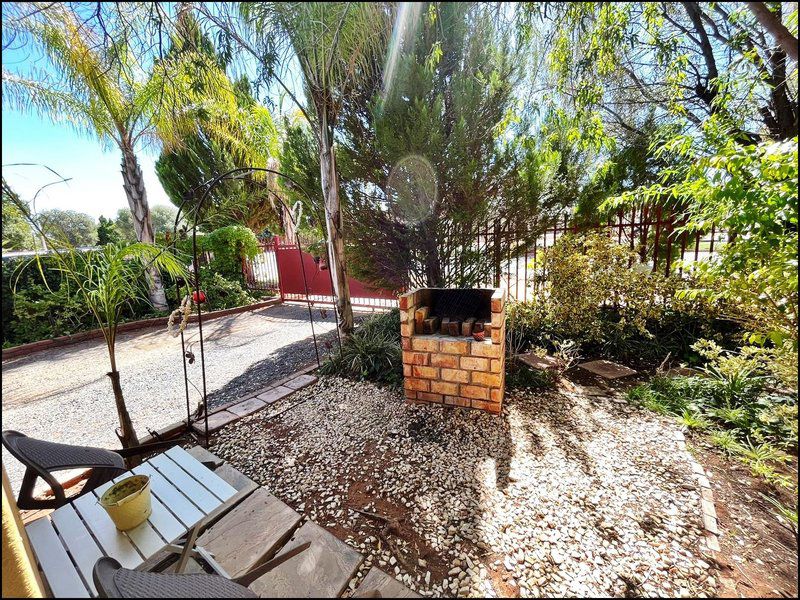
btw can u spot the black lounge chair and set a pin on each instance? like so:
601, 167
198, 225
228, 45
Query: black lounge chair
42, 458
112, 580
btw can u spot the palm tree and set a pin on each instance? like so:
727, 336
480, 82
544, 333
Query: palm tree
337, 45
106, 281
103, 82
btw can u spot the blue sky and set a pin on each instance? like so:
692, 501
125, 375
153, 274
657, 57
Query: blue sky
95, 186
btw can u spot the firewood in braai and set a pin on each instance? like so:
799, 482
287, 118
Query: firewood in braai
477, 326
454, 327
430, 325
466, 326
444, 328
419, 318
487, 330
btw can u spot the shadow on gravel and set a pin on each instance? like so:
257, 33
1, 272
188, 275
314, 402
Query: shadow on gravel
285, 361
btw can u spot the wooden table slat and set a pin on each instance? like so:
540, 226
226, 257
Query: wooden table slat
59, 571
217, 486
79, 541
178, 504
113, 543
190, 487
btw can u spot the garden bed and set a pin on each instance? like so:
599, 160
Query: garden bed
565, 493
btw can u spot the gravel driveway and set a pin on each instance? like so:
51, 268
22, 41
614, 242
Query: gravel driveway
565, 494
63, 394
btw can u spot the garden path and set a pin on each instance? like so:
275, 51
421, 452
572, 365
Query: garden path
63, 395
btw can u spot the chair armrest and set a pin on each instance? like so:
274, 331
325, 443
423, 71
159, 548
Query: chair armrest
258, 571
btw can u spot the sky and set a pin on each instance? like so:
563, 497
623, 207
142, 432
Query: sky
95, 181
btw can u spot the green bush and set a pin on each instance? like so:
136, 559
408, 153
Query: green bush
599, 294
371, 353
229, 245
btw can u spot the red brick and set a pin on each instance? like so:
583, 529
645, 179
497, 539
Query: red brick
486, 349
415, 358
497, 305
406, 370
496, 395
455, 347
430, 397
410, 394
472, 363
425, 345
444, 360
456, 401
498, 335
406, 329
405, 343
497, 365
493, 407
444, 387
425, 372
455, 375
487, 379
497, 320
419, 385
475, 391
405, 301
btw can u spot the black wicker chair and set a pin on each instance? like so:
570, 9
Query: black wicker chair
42, 459
114, 581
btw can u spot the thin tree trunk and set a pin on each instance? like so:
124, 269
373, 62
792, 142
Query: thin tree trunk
333, 222
133, 182
127, 433
773, 25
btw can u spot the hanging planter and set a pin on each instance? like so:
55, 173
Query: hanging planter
323, 263
198, 297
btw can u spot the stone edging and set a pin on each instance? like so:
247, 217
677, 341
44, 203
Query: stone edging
66, 340
709, 512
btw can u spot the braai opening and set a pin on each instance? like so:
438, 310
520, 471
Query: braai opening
456, 312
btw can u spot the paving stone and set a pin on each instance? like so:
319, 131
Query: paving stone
247, 407
275, 394
300, 381
216, 421
607, 369
205, 457
251, 533
541, 363
712, 542
321, 571
710, 523
386, 586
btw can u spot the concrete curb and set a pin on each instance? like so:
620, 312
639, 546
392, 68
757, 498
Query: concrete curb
66, 340
708, 510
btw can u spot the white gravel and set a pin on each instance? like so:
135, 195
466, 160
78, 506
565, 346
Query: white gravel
565, 494
63, 394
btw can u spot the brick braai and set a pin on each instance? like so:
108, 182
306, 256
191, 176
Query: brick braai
454, 346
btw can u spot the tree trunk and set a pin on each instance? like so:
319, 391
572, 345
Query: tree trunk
776, 29
127, 434
133, 182
333, 222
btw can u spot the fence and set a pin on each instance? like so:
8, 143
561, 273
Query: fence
500, 254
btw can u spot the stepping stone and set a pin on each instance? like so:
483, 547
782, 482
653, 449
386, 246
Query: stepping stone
300, 381
275, 394
247, 407
540, 363
386, 586
251, 533
205, 457
607, 369
321, 571
216, 421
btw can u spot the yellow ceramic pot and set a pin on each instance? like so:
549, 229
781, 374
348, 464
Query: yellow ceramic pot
127, 502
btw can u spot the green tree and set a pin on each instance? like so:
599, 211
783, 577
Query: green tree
337, 45
76, 228
102, 79
161, 215
17, 232
106, 281
107, 232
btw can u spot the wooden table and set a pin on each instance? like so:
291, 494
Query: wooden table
68, 542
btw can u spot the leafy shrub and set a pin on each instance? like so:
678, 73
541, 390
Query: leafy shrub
229, 245
371, 353
599, 294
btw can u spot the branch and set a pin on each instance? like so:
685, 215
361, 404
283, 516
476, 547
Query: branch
773, 25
